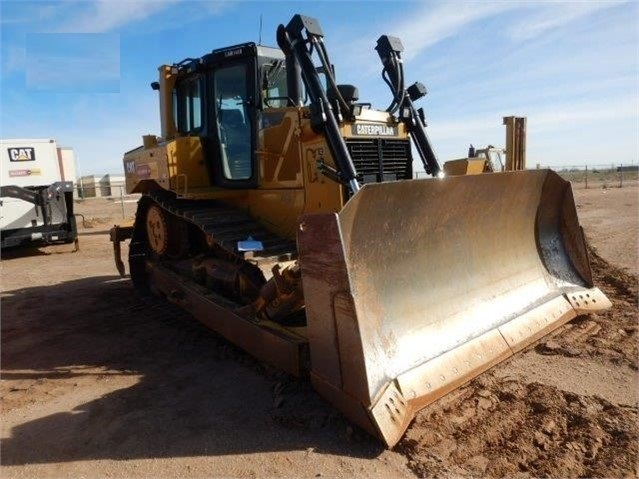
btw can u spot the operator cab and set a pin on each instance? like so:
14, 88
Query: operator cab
225, 97
219, 98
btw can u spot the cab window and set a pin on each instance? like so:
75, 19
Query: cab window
274, 87
234, 126
187, 106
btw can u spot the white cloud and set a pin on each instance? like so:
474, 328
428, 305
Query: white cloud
426, 24
109, 15
98, 16
423, 27
553, 15
431, 25
557, 134
572, 116
40, 11
545, 118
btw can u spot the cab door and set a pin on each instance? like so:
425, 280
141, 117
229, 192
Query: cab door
233, 87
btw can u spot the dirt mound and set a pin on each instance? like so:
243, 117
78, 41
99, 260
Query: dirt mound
94, 222
611, 334
501, 426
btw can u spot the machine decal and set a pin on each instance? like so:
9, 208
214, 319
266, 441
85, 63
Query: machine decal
313, 155
31, 172
21, 154
146, 170
369, 129
232, 53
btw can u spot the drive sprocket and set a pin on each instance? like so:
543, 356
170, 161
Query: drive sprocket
157, 230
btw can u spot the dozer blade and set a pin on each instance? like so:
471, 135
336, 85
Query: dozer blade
416, 287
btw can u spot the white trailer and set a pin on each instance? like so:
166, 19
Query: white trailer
36, 190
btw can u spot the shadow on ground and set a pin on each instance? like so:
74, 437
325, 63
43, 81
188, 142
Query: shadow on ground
22, 251
168, 387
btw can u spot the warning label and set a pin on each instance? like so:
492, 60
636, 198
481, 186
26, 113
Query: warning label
31, 172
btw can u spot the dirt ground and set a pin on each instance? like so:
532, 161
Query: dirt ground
96, 382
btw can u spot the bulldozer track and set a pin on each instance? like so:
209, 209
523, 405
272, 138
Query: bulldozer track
224, 225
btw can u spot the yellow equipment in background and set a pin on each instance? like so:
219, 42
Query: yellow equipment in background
283, 213
491, 159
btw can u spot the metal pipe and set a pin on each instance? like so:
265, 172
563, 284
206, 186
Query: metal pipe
293, 70
389, 49
321, 110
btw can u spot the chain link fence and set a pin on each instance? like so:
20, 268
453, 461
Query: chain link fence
115, 200
581, 176
600, 176
590, 176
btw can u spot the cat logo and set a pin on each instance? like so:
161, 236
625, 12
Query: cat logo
369, 129
21, 154
129, 167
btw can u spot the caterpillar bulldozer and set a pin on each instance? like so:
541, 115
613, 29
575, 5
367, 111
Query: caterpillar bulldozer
282, 213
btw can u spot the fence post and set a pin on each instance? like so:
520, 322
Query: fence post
586, 176
621, 176
122, 201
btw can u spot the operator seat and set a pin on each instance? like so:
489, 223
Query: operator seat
236, 141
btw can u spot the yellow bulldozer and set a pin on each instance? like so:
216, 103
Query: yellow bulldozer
282, 213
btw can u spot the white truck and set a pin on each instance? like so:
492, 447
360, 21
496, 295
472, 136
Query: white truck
36, 193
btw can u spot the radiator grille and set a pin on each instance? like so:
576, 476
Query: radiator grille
380, 159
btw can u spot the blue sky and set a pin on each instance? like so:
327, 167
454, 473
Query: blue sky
79, 71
